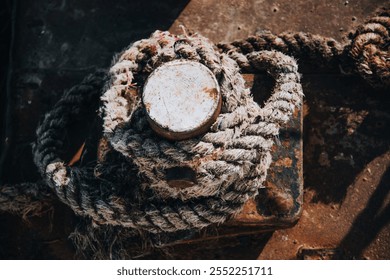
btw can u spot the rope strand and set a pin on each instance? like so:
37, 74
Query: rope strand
223, 186
368, 50
231, 160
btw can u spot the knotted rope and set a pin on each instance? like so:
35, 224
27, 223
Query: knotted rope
231, 159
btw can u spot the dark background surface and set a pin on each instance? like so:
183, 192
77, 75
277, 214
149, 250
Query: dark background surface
48, 46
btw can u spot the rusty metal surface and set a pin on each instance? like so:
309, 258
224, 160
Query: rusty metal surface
277, 206
346, 122
234, 19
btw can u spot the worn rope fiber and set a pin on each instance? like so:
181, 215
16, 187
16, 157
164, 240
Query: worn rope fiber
32, 198
25, 199
368, 50
93, 195
231, 160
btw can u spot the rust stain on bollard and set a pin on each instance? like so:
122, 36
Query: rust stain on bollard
182, 99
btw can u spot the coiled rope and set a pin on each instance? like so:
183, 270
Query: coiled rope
231, 159
368, 50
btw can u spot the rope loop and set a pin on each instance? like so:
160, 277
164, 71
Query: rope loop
368, 52
129, 188
230, 160
370, 49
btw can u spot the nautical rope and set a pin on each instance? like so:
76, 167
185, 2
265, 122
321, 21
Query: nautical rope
231, 159
25, 199
368, 49
303, 46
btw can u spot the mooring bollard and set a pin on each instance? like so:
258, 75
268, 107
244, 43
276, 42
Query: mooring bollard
184, 131
182, 99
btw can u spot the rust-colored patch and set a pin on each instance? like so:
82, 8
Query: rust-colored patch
306, 109
77, 156
132, 91
147, 107
180, 184
212, 92
286, 162
213, 156
281, 201
296, 113
249, 212
274, 148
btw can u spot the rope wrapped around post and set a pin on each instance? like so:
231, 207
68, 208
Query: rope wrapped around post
231, 160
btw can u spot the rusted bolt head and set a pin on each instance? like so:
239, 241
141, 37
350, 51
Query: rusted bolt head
182, 99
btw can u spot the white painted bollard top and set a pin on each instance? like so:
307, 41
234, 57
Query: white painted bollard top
182, 99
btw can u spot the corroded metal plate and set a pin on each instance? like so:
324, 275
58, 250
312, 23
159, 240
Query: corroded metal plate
182, 99
277, 206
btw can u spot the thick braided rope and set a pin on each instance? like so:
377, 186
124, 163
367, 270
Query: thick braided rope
367, 33
217, 155
25, 199
301, 45
31, 198
72, 107
87, 194
91, 196
368, 49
